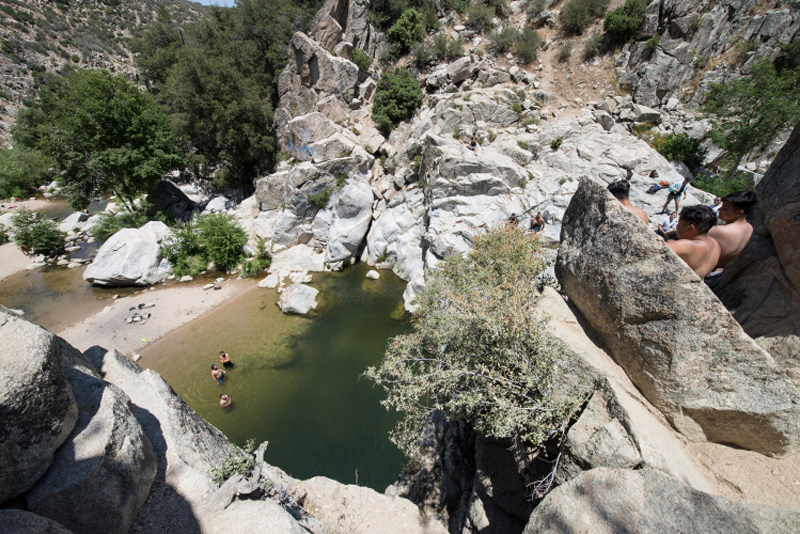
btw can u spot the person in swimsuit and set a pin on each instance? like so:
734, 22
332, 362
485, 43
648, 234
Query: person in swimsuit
225, 401
225, 358
217, 374
537, 223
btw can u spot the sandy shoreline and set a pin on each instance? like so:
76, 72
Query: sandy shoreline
12, 260
174, 306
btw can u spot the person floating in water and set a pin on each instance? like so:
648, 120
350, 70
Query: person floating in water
225, 401
217, 374
225, 358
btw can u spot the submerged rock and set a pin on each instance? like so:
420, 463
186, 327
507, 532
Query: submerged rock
298, 298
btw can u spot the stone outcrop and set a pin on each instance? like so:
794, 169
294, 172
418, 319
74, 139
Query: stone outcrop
347, 508
37, 408
298, 298
762, 285
675, 340
101, 476
168, 198
131, 257
22, 522
620, 500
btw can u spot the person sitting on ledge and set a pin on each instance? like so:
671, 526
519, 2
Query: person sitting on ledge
667, 225
694, 246
225, 358
734, 235
225, 401
512, 221
620, 189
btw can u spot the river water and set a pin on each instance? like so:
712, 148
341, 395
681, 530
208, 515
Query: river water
297, 381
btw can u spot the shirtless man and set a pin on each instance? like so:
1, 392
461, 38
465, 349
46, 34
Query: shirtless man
736, 232
225, 358
694, 246
224, 401
537, 223
217, 374
620, 189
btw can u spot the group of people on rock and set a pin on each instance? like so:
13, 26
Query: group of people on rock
695, 236
219, 377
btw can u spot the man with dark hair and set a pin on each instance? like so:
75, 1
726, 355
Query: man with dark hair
736, 232
620, 189
694, 246
676, 189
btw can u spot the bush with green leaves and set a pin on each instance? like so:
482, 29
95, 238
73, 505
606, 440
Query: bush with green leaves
622, 23
479, 17
362, 60
593, 46
576, 15
445, 48
397, 98
565, 51
682, 148
527, 46
721, 184
320, 198
22, 171
239, 462
109, 224
215, 237
259, 262
503, 40
477, 351
36, 234
408, 29
3, 235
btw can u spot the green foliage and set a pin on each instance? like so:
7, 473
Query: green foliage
721, 185
384, 13
479, 17
320, 199
622, 23
536, 7
522, 182
528, 45
516, 107
36, 234
406, 31
593, 46
397, 97
789, 58
3, 235
682, 148
750, 112
22, 170
214, 237
477, 352
362, 60
565, 51
445, 48
109, 224
504, 39
556, 144
260, 262
238, 462
576, 15
104, 135
157, 50
652, 43
523, 145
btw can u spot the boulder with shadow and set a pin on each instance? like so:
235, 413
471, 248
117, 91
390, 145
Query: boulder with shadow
22, 522
101, 476
675, 340
37, 408
131, 257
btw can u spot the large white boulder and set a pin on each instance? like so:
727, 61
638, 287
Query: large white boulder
298, 298
351, 216
131, 257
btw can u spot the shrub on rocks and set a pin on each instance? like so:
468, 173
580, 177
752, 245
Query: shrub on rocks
406, 31
397, 97
215, 237
528, 45
576, 15
621, 24
477, 352
35, 234
362, 60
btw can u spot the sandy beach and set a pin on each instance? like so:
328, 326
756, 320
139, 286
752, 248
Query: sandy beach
12, 260
174, 306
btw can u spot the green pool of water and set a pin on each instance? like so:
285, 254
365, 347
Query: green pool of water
297, 381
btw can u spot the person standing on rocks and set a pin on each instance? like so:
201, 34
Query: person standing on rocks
676, 189
537, 223
217, 374
621, 189
225, 358
694, 246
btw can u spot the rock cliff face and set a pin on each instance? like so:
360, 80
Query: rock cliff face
762, 285
682, 40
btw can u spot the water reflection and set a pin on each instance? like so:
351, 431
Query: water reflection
297, 379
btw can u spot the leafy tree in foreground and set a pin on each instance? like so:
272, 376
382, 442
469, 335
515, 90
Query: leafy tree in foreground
214, 237
397, 97
621, 24
406, 31
103, 134
36, 234
752, 111
476, 351
22, 170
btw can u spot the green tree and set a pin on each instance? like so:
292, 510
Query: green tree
683, 148
22, 170
621, 24
214, 237
36, 234
477, 350
397, 97
750, 112
103, 134
576, 15
406, 31
157, 50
